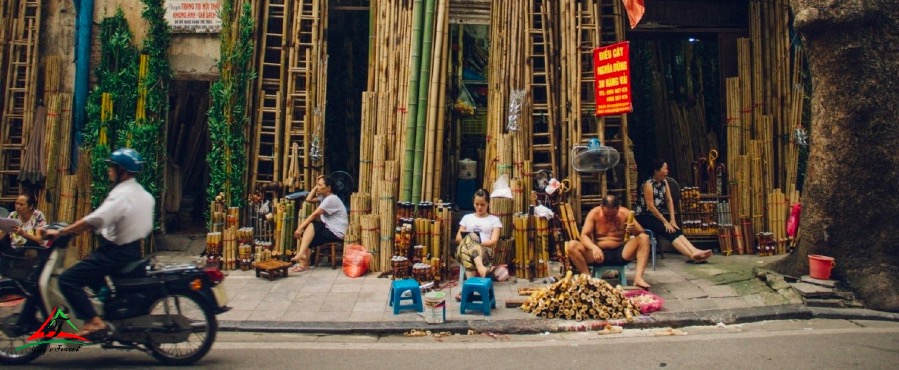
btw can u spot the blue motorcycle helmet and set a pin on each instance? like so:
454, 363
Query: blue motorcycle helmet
128, 159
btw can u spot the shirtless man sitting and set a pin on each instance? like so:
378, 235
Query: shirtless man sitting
602, 237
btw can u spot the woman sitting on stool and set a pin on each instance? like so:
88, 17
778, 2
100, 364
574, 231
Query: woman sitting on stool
330, 228
481, 233
655, 211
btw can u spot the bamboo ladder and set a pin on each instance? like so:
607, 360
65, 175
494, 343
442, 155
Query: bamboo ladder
305, 108
613, 130
270, 90
19, 95
540, 61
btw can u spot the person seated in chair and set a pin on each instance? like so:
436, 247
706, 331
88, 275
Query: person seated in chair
604, 241
655, 211
327, 224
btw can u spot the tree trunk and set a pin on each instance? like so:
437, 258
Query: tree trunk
850, 209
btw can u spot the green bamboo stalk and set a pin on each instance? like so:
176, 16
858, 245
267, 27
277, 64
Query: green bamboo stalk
412, 110
422, 114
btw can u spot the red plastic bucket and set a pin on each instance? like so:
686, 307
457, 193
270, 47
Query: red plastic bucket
819, 266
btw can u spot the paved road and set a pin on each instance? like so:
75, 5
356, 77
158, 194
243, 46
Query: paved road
813, 344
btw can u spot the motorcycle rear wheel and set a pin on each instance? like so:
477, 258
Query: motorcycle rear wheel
13, 336
203, 323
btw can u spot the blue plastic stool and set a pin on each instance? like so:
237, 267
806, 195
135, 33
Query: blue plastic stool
398, 288
478, 294
599, 270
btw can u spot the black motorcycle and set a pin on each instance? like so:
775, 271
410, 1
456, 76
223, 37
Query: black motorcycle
168, 312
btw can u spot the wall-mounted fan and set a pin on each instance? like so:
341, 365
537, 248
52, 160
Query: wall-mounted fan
593, 158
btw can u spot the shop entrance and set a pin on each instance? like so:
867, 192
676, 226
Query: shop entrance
186, 172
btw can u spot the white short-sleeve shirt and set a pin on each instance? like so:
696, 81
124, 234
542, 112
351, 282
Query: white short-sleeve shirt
482, 225
126, 214
334, 216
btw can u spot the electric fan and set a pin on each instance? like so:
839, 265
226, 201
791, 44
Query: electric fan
594, 158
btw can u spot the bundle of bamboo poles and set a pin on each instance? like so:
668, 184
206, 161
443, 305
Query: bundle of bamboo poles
502, 208
580, 298
371, 240
422, 227
524, 245
75, 204
285, 245
386, 212
444, 215
507, 75
764, 107
541, 248
360, 204
229, 249
502, 253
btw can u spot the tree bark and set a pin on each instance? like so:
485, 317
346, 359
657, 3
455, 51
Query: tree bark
850, 209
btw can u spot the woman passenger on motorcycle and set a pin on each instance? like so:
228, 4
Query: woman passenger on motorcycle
32, 220
123, 220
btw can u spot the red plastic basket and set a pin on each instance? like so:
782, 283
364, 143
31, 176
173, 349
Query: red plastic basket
645, 308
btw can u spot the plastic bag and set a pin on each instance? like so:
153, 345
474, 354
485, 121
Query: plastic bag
793, 221
501, 188
356, 260
646, 301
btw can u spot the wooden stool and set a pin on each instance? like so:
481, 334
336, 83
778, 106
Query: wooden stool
271, 269
329, 250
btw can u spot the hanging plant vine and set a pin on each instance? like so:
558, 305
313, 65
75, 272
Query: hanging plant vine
108, 119
153, 104
228, 117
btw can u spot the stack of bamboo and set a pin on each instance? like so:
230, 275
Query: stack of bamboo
507, 150
764, 108
580, 298
47, 203
370, 239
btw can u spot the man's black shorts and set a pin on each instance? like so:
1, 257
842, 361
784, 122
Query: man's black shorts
613, 257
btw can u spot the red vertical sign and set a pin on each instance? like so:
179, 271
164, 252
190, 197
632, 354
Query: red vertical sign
611, 69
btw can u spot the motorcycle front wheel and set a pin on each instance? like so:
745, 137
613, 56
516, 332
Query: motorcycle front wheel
202, 327
14, 350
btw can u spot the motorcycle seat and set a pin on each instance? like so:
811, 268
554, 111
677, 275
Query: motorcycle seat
132, 268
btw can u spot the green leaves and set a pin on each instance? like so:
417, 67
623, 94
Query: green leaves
119, 75
228, 118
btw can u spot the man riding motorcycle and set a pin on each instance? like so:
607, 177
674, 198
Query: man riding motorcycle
123, 220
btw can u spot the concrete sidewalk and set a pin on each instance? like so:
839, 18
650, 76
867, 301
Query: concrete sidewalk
324, 300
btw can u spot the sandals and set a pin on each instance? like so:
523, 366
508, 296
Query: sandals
299, 268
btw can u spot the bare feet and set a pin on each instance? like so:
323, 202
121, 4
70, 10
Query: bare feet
701, 255
642, 284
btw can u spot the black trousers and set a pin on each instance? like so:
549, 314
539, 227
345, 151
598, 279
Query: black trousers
90, 272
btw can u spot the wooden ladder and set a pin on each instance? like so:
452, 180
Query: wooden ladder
267, 151
305, 107
19, 94
620, 180
540, 63
599, 23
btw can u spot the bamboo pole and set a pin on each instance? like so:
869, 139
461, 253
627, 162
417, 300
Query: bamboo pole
412, 105
423, 97
434, 94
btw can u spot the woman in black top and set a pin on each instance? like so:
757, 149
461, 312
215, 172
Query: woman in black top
655, 211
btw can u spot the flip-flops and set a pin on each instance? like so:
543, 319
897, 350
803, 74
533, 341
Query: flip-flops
299, 268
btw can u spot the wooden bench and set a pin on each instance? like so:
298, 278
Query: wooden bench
271, 269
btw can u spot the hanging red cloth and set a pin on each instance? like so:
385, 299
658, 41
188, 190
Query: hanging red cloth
635, 10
